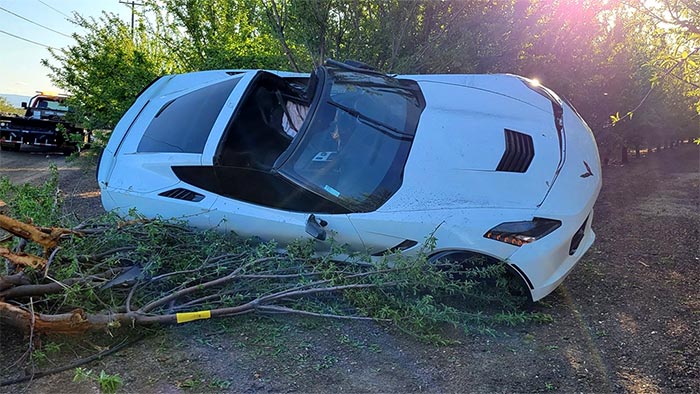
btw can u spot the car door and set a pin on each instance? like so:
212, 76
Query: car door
251, 220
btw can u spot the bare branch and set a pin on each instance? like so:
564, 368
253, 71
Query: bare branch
281, 309
217, 282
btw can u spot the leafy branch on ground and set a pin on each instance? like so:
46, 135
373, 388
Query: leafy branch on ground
107, 272
109, 384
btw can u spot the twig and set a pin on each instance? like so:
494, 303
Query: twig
102, 255
651, 89
50, 260
297, 293
131, 294
75, 364
295, 290
216, 282
31, 335
13, 280
281, 309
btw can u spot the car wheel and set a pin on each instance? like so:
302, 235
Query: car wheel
467, 265
68, 150
10, 147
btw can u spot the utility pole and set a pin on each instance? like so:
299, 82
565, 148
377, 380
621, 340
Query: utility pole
133, 4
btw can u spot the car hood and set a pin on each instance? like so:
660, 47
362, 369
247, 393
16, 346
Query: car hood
461, 138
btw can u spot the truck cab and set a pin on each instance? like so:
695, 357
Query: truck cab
46, 106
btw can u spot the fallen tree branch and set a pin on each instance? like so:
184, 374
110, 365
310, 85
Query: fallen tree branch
23, 259
149, 272
13, 280
46, 237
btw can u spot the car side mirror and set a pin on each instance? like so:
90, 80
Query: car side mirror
24, 104
315, 228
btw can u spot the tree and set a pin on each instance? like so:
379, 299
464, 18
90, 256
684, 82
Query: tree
678, 22
393, 36
215, 34
105, 69
7, 108
601, 56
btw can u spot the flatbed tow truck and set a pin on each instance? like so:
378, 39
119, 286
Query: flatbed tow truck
43, 124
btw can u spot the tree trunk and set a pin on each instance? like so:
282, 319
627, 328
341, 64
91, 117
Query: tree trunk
275, 18
623, 154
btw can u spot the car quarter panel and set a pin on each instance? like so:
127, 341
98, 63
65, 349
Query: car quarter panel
453, 229
153, 205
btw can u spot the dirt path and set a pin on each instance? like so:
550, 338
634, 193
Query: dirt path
78, 185
626, 320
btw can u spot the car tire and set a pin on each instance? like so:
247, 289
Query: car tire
10, 147
464, 260
69, 150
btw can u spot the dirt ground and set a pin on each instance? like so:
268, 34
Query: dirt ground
626, 320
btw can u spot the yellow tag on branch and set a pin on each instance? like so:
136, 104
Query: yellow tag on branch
191, 316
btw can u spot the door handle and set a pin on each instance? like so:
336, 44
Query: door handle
314, 227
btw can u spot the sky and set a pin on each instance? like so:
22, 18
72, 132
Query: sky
21, 71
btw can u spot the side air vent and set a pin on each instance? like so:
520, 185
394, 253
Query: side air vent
183, 194
577, 238
519, 152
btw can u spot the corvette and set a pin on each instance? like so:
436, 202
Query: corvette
491, 165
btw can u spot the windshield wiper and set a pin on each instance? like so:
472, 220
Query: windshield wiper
384, 86
353, 68
397, 134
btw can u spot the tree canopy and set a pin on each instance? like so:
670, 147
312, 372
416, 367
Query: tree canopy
631, 68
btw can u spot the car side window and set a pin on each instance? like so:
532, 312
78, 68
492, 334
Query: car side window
184, 124
256, 187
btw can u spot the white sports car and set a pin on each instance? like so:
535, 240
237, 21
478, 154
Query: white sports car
494, 165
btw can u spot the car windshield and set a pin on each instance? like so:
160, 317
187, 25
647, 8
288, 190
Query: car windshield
356, 143
50, 104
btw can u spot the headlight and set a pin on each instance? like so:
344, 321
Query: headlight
520, 233
3, 124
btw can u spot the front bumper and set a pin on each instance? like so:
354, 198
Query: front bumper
544, 264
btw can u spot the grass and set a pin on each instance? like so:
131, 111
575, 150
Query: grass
40, 205
108, 383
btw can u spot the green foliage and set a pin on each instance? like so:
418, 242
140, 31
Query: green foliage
106, 69
604, 57
108, 383
215, 34
8, 109
40, 205
82, 375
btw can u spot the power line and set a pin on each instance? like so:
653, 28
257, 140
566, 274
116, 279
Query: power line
24, 39
31, 21
57, 10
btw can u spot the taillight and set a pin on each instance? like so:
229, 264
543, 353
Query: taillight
520, 233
